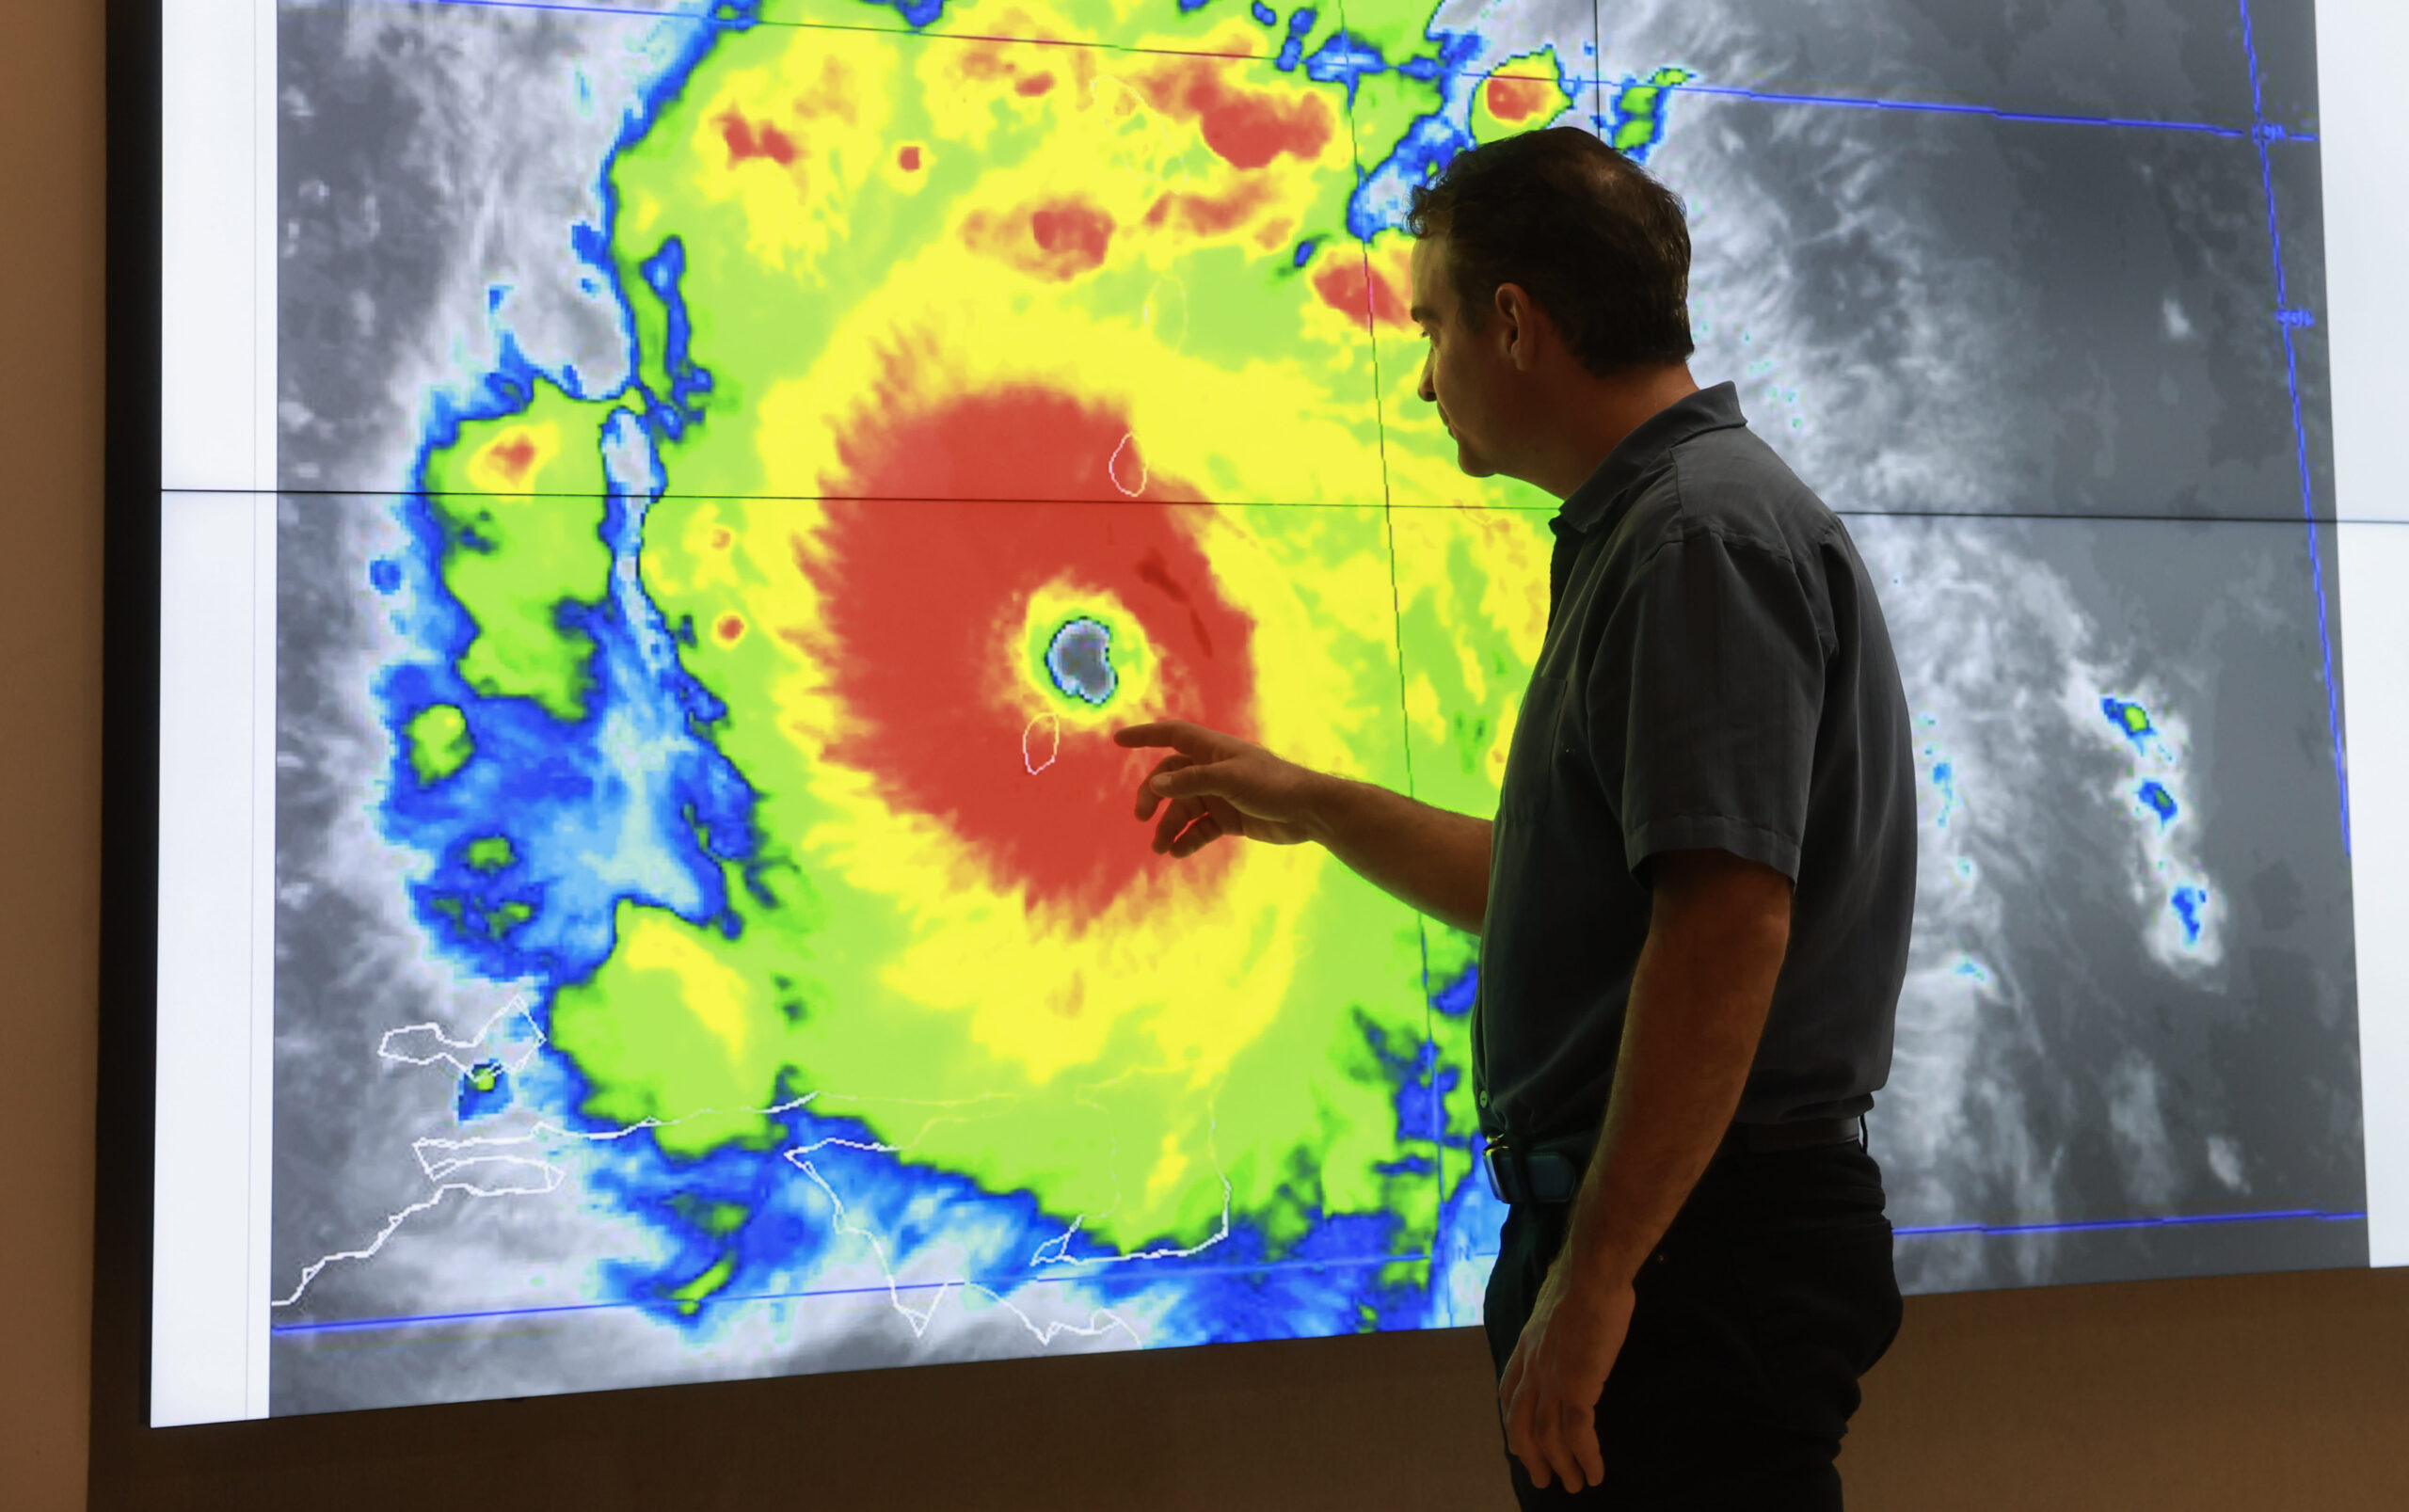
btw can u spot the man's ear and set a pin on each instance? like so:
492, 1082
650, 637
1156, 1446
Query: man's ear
1518, 316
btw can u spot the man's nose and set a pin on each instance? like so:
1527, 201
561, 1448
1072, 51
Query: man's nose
1430, 395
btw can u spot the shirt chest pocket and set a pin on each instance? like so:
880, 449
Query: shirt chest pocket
1539, 745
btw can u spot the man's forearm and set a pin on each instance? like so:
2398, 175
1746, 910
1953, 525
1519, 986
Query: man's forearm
1432, 860
1698, 1006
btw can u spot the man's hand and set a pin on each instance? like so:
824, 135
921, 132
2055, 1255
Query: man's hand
1213, 785
1549, 1393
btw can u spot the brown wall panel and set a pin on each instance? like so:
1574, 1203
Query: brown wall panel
50, 726
2245, 1392
2282, 1391
1397, 1422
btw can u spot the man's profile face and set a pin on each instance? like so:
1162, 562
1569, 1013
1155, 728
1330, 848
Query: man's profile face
1463, 373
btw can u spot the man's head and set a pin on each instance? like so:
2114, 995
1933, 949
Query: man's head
1544, 262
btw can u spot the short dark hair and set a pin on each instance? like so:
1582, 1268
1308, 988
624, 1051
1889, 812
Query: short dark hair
1597, 242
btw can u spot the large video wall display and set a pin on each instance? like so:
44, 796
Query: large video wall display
734, 466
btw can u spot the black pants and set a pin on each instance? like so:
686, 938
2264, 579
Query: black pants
1769, 1296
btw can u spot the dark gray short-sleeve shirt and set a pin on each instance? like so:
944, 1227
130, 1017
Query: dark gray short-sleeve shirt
1715, 675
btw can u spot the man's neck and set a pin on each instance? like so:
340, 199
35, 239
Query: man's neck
1597, 414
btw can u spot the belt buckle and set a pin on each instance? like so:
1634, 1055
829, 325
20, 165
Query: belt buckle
1491, 1147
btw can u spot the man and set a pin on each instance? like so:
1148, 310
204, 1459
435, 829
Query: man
1695, 899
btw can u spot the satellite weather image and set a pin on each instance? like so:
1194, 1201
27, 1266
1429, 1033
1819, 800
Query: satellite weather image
740, 462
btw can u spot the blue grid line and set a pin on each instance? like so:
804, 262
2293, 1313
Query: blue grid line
2273, 132
2260, 128
2198, 128
1990, 1230
1105, 1274
2287, 321
637, 12
1930, 1231
748, 20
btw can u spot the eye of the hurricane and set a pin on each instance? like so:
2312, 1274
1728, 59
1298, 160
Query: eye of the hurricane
1080, 659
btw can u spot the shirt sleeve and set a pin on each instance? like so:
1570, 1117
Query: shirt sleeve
1716, 657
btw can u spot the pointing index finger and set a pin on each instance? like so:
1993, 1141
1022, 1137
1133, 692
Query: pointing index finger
1175, 732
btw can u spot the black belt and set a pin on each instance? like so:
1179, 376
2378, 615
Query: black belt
1551, 1171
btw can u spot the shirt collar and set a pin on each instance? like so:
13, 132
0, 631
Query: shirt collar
1637, 454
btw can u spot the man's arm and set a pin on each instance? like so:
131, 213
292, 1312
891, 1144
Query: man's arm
1213, 784
1717, 933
